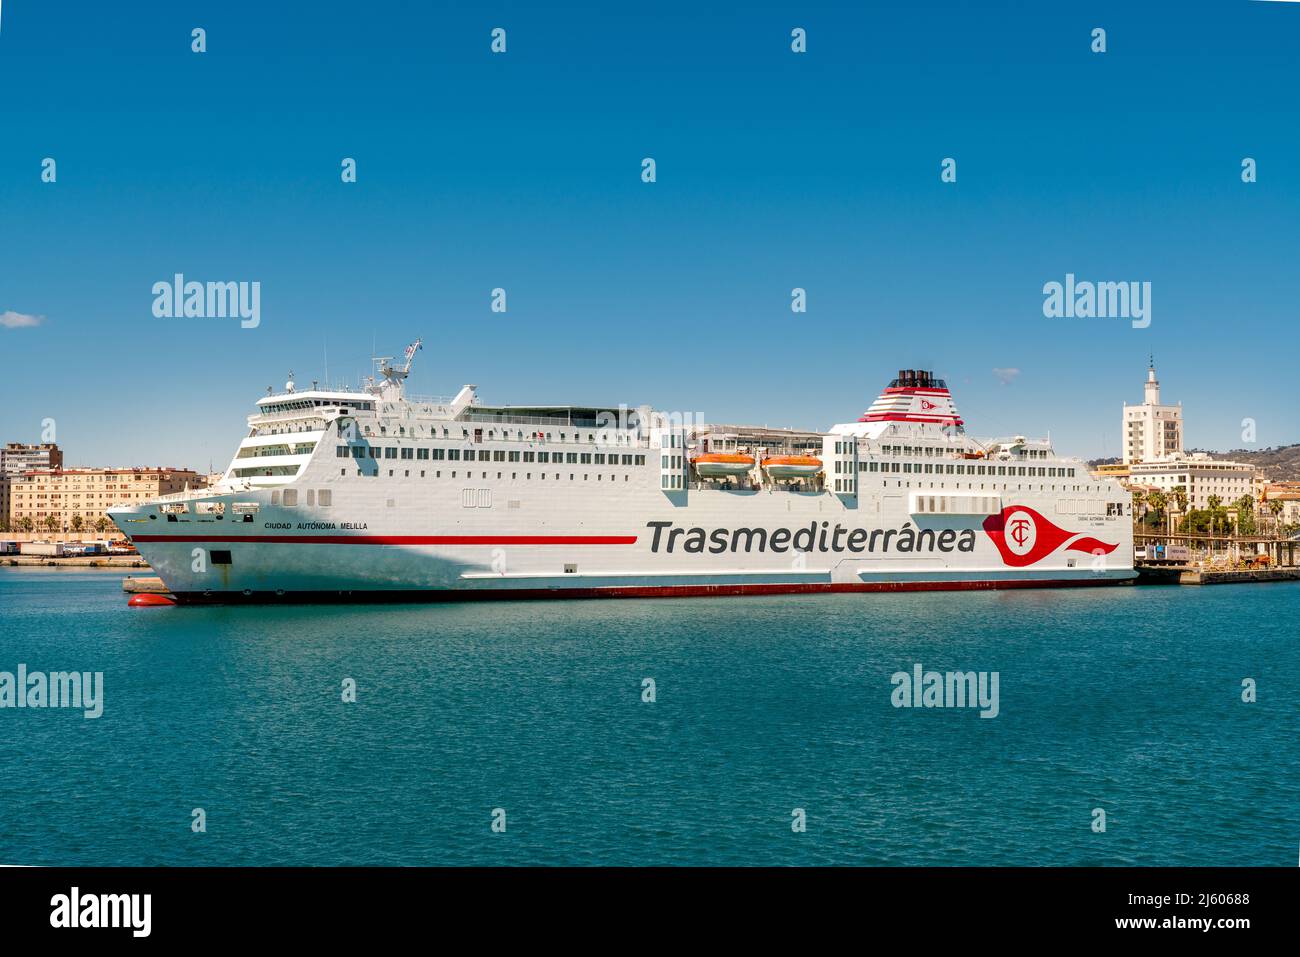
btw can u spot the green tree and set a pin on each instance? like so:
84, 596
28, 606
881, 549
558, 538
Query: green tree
1215, 504
25, 524
1157, 500
1245, 508
50, 523
101, 524
1180, 496
1139, 502
78, 523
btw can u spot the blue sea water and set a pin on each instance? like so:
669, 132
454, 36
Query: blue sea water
1127, 699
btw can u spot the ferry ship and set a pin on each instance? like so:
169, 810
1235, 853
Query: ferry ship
369, 494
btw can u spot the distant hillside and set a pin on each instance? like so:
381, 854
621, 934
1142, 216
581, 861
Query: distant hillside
1280, 464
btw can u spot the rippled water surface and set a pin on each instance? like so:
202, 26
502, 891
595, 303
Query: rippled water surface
1127, 699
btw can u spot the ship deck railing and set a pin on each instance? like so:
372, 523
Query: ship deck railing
721, 486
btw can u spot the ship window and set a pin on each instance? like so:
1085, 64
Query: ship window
220, 556
484, 455
325, 498
421, 453
406, 453
390, 453
530, 456
311, 496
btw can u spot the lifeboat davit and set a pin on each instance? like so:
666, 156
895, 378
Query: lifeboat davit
722, 465
791, 466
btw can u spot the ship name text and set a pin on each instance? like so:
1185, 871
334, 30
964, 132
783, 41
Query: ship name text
819, 537
318, 526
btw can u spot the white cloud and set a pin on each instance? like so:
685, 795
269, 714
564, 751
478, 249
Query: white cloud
1006, 375
18, 320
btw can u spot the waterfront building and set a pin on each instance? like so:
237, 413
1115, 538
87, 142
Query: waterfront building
1200, 476
1151, 430
16, 457
65, 494
1288, 493
1112, 470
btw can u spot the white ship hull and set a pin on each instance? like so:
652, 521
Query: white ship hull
413, 528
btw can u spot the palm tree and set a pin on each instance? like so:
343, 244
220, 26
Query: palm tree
1214, 502
1245, 507
51, 523
1139, 503
1158, 500
101, 524
25, 524
78, 522
1275, 506
1180, 496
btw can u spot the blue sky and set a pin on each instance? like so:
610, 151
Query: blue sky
522, 171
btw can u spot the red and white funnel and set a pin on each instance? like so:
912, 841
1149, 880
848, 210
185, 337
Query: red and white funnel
915, 396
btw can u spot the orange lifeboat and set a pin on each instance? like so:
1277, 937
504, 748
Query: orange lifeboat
791, 466
722, 465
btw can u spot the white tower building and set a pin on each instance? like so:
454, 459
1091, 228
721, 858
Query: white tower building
1152, 431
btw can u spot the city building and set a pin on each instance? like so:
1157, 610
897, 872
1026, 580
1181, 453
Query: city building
1151, 430
15, 458
1114, 470
1200, 476
87, 493
1288, 493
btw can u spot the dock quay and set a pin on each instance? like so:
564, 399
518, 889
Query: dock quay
1192, 575
144, 585
74, 561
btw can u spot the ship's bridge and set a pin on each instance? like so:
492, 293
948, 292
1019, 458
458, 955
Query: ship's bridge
289, 404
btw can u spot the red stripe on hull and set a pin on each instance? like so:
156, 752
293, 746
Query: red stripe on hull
397, 539
630, 591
